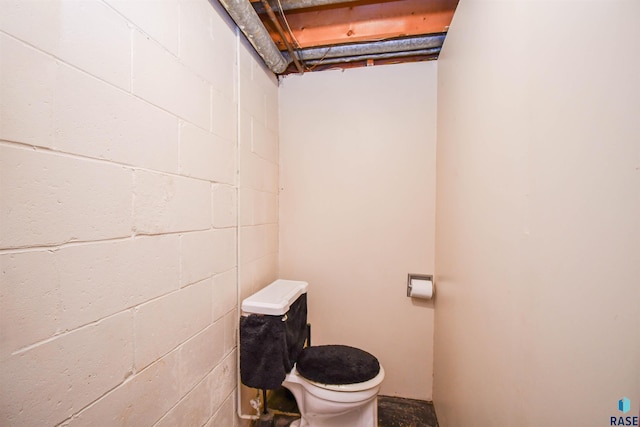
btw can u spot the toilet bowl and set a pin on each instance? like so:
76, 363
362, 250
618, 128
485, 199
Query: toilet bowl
326, 405
334, 385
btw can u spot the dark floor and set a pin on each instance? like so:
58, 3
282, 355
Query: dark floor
392, 411
399, 412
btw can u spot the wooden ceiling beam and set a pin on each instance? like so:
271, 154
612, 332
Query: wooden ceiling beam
367, 21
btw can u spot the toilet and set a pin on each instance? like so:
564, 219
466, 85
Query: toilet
334, 385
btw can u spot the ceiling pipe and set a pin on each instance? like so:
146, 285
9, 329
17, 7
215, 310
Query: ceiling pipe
421, 52
274, 21
371, 48
251, 26
302, 4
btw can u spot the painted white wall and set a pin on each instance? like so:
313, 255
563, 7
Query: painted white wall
538, 214
258, 186
119, 158
258, 142
357, 178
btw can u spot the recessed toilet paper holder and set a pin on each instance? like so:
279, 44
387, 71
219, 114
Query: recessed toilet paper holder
411, 277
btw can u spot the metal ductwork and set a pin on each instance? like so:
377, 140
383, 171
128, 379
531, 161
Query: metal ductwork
404, 46
303, 4
246, 18
374, 57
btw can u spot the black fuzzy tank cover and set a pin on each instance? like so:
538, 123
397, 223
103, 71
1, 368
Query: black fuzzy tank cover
270, 345
337, 364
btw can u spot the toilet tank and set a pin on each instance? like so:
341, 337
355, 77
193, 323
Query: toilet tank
274, 299
273, 331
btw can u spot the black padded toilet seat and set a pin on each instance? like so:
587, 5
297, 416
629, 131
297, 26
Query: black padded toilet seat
337, 364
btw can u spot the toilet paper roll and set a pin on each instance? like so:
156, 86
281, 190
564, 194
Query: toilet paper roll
421, 288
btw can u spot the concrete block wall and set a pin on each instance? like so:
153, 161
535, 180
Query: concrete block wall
258, 187
119, 190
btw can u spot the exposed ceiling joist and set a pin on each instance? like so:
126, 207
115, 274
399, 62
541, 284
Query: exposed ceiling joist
351, 22
350, 32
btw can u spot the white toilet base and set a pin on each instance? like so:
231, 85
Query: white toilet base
321, 407
364, 416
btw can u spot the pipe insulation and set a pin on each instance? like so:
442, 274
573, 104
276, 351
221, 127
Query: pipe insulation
379, 56
303, 4
406, 45
246, 18
274, 21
